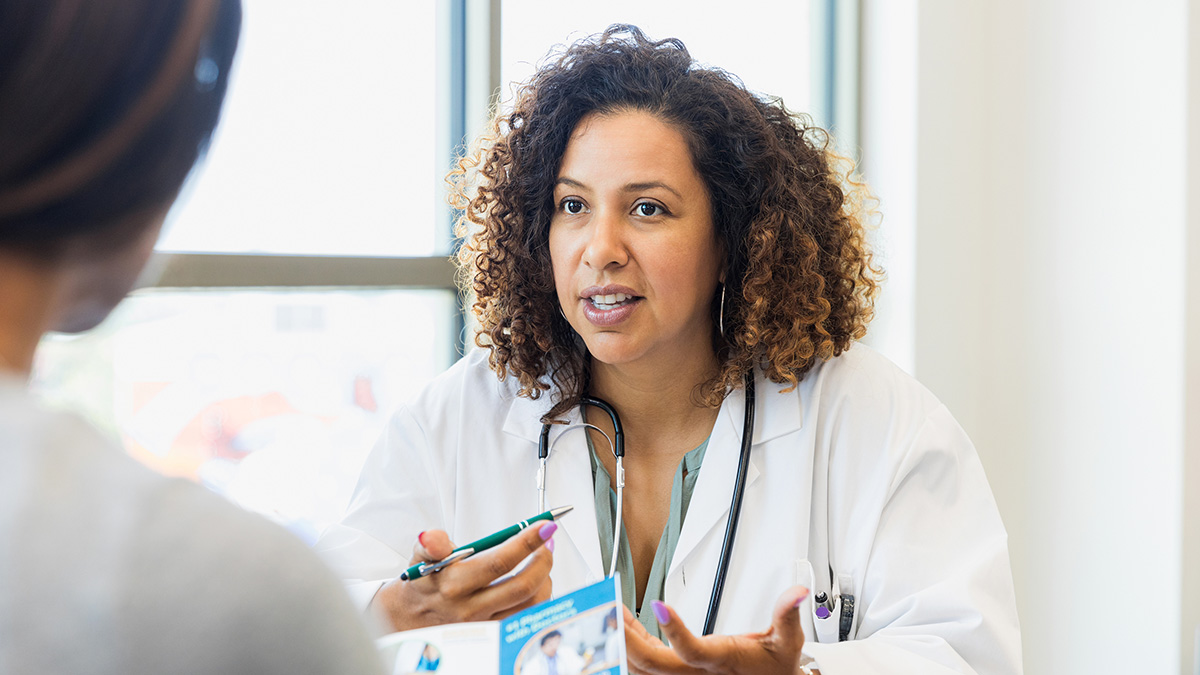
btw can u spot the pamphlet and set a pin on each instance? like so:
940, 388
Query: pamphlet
582, 633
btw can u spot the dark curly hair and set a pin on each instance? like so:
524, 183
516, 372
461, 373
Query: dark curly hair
800, 280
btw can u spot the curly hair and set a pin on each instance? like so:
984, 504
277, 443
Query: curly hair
800, 282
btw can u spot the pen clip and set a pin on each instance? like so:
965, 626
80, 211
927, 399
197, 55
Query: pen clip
452, 558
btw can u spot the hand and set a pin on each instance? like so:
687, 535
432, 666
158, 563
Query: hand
773, 651
469, 590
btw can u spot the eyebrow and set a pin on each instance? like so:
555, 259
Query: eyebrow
628, 187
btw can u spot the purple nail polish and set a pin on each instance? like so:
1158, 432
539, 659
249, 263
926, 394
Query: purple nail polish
660, 613
550, 545
547, 531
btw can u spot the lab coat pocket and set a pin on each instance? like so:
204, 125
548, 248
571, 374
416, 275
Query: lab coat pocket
821, 614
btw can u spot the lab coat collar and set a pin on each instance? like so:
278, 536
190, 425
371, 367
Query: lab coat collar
524, 416
786, 410
569, 474
568, 479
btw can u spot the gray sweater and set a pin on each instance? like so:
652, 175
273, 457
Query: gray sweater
107, 567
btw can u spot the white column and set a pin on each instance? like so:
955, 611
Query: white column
1051, 205
1190, 605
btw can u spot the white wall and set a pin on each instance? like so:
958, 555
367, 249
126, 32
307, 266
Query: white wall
1048, 296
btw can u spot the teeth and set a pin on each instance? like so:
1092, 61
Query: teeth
608, 301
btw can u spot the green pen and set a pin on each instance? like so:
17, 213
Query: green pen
495, 539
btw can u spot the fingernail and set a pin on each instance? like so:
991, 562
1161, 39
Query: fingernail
802, 598
660, 612
421, 539
550, 545
547, 531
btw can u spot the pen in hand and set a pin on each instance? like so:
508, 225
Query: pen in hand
495, 539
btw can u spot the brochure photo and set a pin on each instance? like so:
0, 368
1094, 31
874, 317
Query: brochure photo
581, 633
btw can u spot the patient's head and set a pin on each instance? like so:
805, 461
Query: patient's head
550, 643
107, 106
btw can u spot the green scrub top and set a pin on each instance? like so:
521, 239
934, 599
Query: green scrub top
606, 507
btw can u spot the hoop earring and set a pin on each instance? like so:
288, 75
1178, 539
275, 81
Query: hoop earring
721, 313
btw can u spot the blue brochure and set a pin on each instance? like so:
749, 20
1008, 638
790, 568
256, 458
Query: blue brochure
581, 633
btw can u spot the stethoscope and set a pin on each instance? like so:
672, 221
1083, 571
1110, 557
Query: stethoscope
617, 445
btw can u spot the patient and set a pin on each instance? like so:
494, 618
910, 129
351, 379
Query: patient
105, 567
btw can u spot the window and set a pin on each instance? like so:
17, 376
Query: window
764, 43
304, 288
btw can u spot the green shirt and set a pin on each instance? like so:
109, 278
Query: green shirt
606, 507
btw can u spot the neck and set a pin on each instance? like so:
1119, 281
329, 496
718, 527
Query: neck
656, 400
27, 299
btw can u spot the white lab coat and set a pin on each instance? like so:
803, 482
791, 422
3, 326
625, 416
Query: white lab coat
860, 469
569, 663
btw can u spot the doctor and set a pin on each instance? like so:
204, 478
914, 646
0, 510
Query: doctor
644, 230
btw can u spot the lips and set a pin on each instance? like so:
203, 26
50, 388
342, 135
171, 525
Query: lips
608, 305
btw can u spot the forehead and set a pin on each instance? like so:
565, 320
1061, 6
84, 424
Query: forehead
627, 147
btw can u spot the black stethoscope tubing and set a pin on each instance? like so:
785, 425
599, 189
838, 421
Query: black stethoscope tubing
735, 504
735, 508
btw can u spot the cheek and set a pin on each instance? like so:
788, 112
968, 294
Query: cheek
688, 271
560, 260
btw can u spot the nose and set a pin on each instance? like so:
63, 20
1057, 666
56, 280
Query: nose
606, 246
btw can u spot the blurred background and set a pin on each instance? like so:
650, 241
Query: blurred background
1038, 169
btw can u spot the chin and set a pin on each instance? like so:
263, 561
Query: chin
611, 352
84, 317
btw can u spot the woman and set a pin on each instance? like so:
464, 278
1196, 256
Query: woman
612, 643
106, 567
551, 658
643, 230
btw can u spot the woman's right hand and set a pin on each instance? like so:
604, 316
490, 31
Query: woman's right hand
467, 590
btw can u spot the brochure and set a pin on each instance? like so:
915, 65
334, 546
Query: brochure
581, 633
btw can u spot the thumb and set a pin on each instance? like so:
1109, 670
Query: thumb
786, 630
431, 545
698, 652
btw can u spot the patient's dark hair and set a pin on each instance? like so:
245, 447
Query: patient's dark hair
105, 106
792, 220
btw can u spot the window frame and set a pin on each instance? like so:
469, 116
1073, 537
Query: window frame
468, 90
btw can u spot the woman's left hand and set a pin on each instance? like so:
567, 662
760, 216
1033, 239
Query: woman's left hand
773, 651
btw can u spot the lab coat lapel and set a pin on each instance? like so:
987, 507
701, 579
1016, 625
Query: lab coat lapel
704, 522
699, 548
568, 482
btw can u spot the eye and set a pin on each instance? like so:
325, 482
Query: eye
649, 209
573, 206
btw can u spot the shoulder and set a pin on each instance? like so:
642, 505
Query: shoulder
469, 380
250, 591
154, 554
862, 405
866, 379
56, 468
468, 391
57, 439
